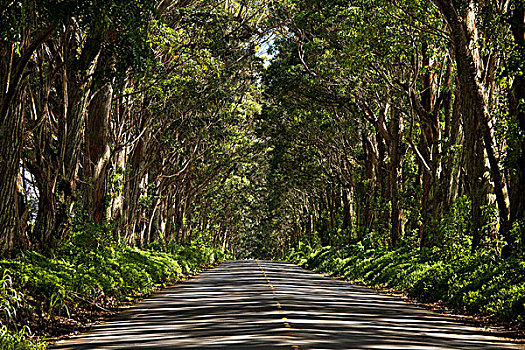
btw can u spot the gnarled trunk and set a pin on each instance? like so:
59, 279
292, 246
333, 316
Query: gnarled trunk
12, 70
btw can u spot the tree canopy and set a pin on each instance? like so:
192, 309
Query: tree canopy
259, 128
257, 125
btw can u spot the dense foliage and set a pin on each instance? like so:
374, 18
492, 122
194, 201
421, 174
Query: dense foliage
133, 119
89, 276
399, 126
384, 115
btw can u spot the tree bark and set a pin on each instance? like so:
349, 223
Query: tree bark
473, 112
98, 153
12, 71
11, 126
59, 165
393, 175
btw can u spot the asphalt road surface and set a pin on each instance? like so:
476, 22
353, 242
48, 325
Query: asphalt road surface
277, 305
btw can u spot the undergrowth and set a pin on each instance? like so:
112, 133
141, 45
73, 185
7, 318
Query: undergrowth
477, 284
88, 276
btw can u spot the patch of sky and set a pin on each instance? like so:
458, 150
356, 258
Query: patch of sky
266, 49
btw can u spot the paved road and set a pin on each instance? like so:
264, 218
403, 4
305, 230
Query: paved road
277, 305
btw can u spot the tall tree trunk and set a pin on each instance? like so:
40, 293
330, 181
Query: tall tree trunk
473, 111
12, 70
381, 179
429, 145
393, 179
449, 175
369, 186
11, 126
61, 178
98, 153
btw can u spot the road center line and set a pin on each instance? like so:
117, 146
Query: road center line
277, 303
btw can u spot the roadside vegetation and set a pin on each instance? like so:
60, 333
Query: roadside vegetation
88, 278
397, 132
126, 147
472, 284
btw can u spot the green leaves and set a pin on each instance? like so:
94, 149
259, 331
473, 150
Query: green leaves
90, 270
10, 299
477, 284
18, 340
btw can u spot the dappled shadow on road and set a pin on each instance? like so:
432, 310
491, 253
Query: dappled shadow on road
331, 314
234, 307
228, 307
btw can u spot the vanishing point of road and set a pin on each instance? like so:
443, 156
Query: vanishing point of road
276, 305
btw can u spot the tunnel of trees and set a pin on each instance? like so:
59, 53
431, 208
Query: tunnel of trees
256, 126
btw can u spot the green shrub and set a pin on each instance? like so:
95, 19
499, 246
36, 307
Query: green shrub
10, 299
19, 340
89, 269
478, 283
10, 302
